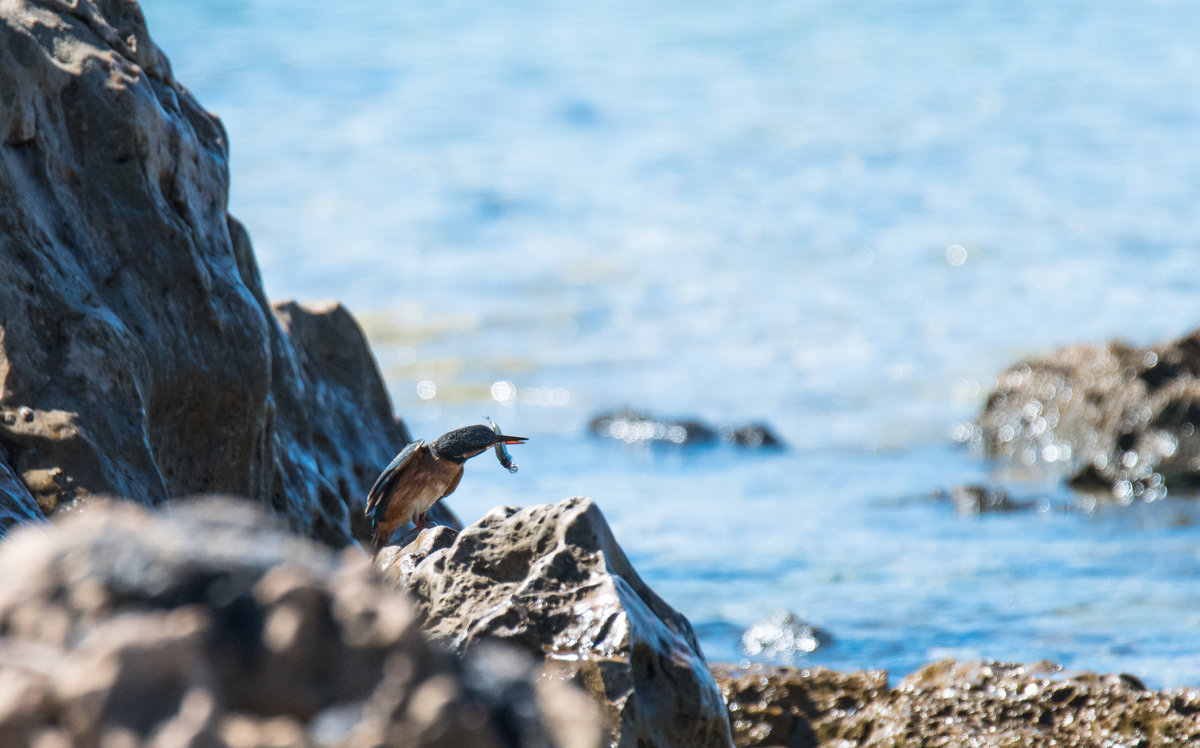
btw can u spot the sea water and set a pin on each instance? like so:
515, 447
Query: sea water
843, 219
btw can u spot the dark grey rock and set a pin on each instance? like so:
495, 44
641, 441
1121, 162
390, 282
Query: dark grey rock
636, 427
138, 355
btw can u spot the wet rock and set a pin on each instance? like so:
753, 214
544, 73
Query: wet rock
784, 706
215, 626
1113, 419
17, 505
752, 435
635, 427
783, 636
553, 581
950, 703
138, 354
973, 500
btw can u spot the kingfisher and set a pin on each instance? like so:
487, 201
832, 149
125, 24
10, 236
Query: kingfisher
423, 474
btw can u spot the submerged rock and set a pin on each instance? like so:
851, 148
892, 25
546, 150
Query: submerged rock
953, 703
1114, 419
215, 626
783, 636
138, 354
972, 500
553, 581
634, 427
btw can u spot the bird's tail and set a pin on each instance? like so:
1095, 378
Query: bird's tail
378, 539
378, 536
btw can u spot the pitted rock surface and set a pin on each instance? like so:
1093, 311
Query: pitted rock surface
138, 355
553, 581
798, 708
952, 704
214, 626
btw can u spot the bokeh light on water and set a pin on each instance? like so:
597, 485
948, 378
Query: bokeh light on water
842, 219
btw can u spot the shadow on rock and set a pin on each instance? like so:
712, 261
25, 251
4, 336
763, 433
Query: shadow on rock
553, 581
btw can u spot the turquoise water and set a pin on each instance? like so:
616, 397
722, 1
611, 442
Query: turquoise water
841, 218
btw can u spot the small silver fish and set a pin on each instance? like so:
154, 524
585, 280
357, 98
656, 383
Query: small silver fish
502, 452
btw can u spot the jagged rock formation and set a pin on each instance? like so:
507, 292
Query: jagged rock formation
553, 581
214, 626
138, 354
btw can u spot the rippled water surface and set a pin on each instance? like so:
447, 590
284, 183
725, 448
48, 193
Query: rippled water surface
840, 218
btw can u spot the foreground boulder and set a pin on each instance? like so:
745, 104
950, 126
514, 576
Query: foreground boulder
138, 354
213, 627
553, 581
1111, 418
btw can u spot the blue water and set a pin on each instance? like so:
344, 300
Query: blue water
841, 218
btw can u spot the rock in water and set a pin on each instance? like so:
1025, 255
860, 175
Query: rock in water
1113, 418
783, 636
138, 354
212, 625
636, 427
553, 581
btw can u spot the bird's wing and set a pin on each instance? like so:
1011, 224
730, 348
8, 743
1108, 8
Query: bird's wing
454, 483
387, 479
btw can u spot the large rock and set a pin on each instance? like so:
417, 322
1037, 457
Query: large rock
1112, 418
138, 354
553, 581
996, 704
212, 626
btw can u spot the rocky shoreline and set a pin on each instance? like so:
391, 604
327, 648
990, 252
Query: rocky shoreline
213, 624
140, 359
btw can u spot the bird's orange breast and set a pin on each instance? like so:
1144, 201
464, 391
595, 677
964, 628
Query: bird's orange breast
421, 485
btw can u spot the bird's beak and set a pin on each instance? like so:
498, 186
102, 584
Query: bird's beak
502, 439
